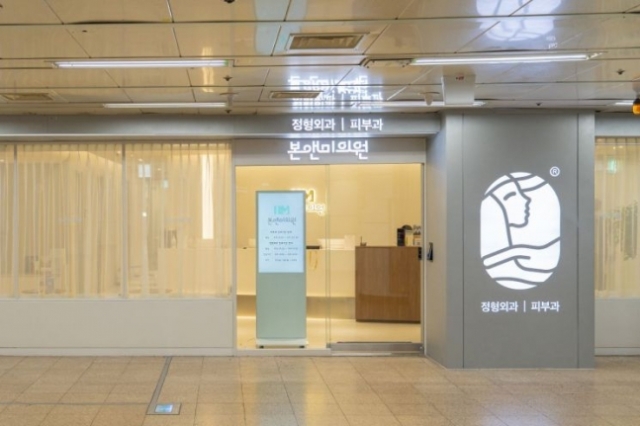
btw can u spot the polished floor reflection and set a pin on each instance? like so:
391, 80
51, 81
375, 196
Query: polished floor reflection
341, 330
327, 391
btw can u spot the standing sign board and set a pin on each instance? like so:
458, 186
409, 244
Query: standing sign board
281, 311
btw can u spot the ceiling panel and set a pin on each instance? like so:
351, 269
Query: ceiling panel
542, 72
226, 40
26, 12
483, 73
582, 91
621, 70
306, 77
160, 94
235, 76
428, 37
38, 42
89, 11
93, 95
418, 92
505, 91
385, 75
619, 32
218, 11
460, 8
123, 41
370, 31
54, 78
242, 94
329, 10
155, 77
540, 7
532, 33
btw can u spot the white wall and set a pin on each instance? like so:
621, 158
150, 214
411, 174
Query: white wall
116, 327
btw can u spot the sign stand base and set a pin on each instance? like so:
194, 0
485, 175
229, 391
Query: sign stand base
297, 343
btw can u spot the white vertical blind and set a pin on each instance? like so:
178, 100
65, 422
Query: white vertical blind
617, 191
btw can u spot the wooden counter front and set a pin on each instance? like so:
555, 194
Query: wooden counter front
387, 284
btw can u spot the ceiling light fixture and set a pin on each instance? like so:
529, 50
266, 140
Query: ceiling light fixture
416, 104
143, 63
177, 105
502, 58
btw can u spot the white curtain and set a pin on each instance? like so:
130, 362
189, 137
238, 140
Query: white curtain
6, 220
179, 219
617, 191
69, 220
115, 220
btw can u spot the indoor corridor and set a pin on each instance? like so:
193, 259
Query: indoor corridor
331, 391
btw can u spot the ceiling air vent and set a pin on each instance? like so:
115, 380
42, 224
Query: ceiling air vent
27, 97
324, 41
295, 94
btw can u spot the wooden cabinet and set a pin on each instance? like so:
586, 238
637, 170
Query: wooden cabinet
388, 284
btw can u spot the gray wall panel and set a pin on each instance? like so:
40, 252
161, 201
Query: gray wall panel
586, 241
495, 146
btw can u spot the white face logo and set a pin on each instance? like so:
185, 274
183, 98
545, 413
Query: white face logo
520, 231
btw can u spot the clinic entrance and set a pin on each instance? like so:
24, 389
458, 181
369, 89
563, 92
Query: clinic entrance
363, 253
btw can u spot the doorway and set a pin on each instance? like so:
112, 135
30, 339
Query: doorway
362, 287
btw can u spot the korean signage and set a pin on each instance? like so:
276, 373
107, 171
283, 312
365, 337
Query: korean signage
313, 150
281, 235
343, 125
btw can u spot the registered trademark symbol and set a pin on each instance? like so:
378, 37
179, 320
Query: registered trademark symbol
555, 171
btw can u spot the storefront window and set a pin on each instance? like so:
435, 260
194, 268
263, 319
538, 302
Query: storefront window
179, 220
617, 191
67, 209
69, 220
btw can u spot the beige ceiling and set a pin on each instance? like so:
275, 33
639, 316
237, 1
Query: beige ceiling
255, 35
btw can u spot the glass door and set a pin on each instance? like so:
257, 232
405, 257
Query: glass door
374, 250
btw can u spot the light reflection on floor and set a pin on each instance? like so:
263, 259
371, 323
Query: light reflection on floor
319, 332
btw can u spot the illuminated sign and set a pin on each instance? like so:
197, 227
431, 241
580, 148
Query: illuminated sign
520, 230
281, 239
313, 149
516, 306
341, 125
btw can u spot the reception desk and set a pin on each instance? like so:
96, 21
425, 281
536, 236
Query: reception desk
388, 284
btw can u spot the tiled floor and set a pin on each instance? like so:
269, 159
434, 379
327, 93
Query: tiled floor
329, 391
319, 332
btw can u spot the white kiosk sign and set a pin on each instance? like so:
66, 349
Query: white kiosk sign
281, 310
281, 232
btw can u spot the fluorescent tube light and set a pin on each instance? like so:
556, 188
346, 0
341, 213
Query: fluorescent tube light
624, 103
167, 105
416, 104
143, 63
502, 59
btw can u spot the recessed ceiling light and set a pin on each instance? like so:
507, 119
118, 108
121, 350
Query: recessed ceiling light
143, 63
177, 105
503, 58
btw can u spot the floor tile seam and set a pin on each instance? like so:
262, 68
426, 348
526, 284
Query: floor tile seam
286, 391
